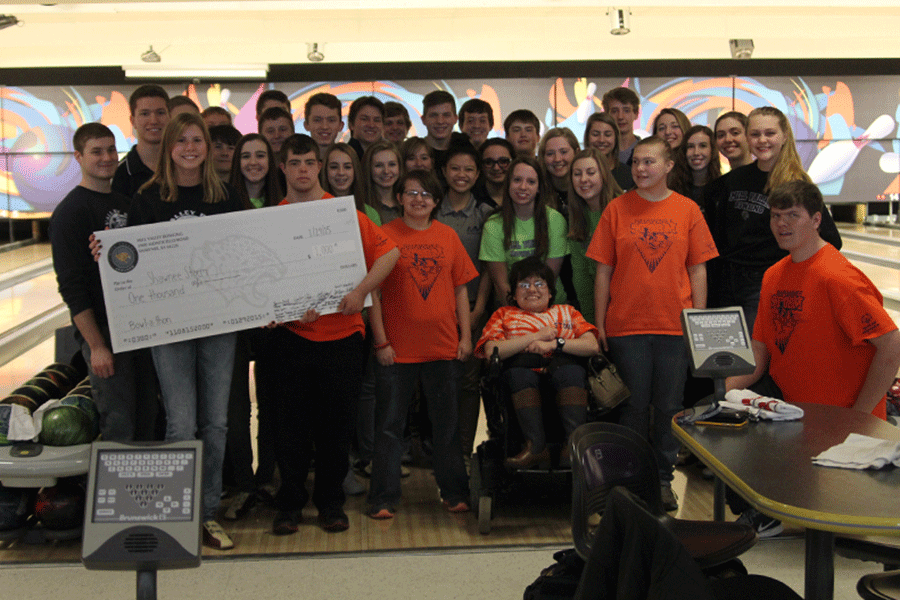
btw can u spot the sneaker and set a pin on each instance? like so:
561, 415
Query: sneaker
404, 471
352, 485
240, 506
456, 507
286, 522
382, 512
215, 537
669, 499
266, 493
764, 525
334, 520
684, 457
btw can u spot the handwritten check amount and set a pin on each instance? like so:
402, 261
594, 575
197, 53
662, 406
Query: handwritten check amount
197, 277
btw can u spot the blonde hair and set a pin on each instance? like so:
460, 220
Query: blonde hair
788, 166
556, 132
213, 188
578, 209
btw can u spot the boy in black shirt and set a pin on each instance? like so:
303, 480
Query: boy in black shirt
93, 206
149, 116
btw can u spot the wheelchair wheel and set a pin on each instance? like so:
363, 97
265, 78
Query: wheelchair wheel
481, 499
484, 514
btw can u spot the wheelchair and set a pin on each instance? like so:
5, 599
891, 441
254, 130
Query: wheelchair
490, 478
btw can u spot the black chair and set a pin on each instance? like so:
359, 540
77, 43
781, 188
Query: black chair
635, 557
880, 550
879, 586
605, 455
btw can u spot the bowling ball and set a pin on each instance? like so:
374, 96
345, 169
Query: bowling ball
28, 403
86, 404
32, 391
5, 411
15, 507
62, 381
46, 384
62, 505
73, 374
66, 426
82, 390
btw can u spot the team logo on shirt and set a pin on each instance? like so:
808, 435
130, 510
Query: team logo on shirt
869, 324
115, 219
786, 310
123, 257
749, 202
653, 238
424, 265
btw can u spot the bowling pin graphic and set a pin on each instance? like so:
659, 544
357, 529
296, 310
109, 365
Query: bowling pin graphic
890, 163
836, 158
586, 108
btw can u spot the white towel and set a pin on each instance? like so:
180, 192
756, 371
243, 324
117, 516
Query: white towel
21, 425
860, 452
762, 407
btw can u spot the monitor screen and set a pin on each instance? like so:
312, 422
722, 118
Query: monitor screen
138, 485
712, 331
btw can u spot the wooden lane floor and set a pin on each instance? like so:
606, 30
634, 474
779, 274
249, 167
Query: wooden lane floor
539, 517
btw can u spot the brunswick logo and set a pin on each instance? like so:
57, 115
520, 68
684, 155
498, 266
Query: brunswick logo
123, 257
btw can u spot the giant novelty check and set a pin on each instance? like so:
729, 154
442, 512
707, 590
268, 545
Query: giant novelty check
192, 278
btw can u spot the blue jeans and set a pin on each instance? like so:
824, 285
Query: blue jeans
195, 380
654, 367
128, 401
395, 387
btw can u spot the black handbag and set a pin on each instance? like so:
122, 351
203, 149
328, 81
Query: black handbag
606, 384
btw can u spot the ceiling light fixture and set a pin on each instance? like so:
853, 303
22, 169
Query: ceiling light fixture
150, 56
314, 55
742, 49
619, 21
9, 21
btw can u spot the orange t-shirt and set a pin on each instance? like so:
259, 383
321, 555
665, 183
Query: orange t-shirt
509, 322
418, 298
814, 318
650, 245
336, 326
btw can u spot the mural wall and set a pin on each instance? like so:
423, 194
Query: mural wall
846, 128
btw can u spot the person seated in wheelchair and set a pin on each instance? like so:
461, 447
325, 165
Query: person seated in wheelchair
537, 339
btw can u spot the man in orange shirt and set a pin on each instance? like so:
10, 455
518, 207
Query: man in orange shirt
320, 362
821, 334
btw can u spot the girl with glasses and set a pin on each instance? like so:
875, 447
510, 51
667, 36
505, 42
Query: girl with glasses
421, 334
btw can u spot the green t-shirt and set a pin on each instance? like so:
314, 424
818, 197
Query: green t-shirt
521, 243
372, 214
584, 270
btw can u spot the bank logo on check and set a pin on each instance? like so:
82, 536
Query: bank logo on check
123, 257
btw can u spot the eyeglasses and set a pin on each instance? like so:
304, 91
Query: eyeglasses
489, 163
527, 285
417, 193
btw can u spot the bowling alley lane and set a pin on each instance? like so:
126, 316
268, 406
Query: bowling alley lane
890, 233
20, 257
27, 299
